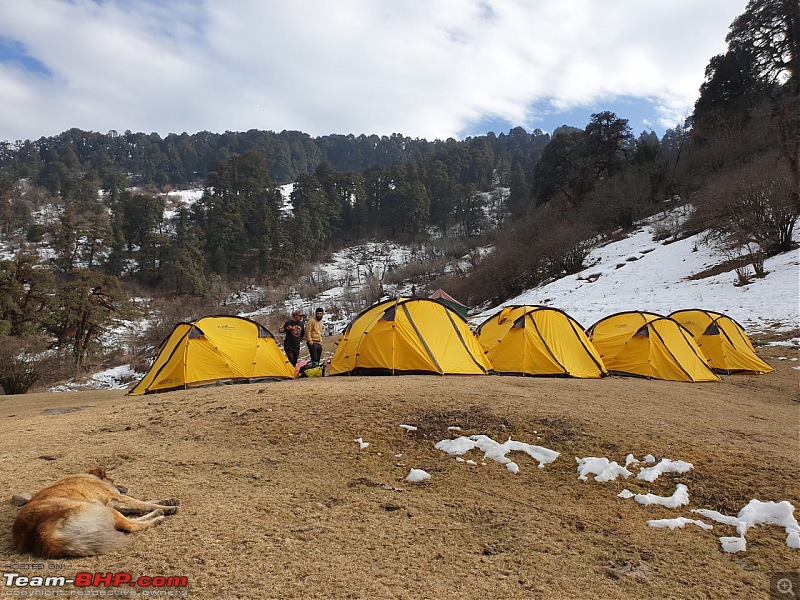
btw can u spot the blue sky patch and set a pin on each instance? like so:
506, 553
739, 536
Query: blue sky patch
14, 53
641, 113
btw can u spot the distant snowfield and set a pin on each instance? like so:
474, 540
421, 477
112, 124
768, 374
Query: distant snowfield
637, 273
180, 198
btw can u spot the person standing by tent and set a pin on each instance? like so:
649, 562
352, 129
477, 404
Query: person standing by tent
314, 336
294, 330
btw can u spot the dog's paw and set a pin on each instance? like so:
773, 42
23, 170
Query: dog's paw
168, 502
169, 510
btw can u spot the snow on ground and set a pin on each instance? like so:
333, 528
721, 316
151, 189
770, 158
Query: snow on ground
287, 207
637, 273
665, 466
753, 514
180, 198
756, 513
679, 522
342, 279
353, 266
601, 468
116, 378
497, 451
417, 476
679, 498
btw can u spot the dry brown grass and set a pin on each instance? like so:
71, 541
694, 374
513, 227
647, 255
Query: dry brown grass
279, 502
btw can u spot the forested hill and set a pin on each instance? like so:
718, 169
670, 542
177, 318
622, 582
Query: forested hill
179, 159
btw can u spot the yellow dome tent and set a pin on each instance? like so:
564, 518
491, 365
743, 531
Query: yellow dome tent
722, 340
648, 345
539, 340
408, 336
213, 350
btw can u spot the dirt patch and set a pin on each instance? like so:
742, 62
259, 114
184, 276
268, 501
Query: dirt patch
441, 424
626, 568
62, 410
718, 269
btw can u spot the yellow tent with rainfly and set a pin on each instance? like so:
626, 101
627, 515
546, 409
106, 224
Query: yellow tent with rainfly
214, 350
649, 345
722, 340
539, 340
409, 336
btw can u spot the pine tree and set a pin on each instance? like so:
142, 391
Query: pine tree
184, 264
86, 305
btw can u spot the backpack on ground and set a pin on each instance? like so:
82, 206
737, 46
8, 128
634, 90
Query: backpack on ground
312, 370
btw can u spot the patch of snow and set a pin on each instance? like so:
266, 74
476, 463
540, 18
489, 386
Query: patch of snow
497, 451
601, 468
115, 378
417, 476
659, 282
679, 522
792, 343
733, 544
679, 498
665, 466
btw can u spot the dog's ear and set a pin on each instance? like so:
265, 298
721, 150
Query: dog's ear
99, 472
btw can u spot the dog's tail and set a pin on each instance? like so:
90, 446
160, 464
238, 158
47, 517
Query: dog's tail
86, 532
85, 544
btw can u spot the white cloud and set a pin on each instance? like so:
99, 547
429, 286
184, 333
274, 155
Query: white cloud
424, 69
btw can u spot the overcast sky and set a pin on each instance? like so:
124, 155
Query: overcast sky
423, 68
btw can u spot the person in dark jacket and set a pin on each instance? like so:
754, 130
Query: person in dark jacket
295, 331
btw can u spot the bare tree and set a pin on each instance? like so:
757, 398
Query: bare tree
23, 362
751, 209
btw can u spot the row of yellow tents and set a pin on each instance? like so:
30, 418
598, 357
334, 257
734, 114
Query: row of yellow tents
421, 335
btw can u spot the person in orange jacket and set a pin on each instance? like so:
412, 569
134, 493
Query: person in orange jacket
314, 335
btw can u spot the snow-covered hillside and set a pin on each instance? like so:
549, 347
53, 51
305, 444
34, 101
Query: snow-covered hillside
638, 273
